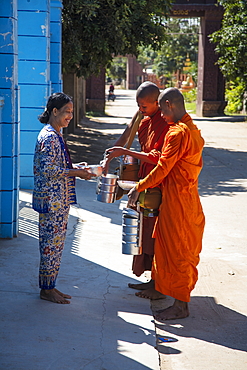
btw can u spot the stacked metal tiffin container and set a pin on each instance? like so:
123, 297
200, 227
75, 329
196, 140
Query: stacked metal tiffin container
132, 231
107, 188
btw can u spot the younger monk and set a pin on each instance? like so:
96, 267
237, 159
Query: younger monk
151, 135
180, 224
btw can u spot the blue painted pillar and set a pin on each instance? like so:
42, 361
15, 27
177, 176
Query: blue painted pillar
34, 77
56, 47
9, 120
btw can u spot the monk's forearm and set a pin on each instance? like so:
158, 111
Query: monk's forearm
139, 155
154, 178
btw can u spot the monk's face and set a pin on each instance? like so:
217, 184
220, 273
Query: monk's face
147, 106
167, 111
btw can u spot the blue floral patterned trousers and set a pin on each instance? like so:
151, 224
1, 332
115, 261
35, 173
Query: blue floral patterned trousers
52, 234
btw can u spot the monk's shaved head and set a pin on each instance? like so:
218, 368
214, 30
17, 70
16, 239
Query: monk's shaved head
148, 90
171, 102
173, 95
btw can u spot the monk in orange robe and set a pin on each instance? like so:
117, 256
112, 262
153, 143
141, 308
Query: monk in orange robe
151, 134
179, 228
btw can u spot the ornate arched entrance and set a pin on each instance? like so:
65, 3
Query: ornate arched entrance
211, 87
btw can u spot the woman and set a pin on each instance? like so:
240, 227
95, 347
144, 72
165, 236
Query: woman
54, 191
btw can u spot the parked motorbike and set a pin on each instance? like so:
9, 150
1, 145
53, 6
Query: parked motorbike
111, 96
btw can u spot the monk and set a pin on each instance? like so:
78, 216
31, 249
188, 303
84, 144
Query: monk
151, 134
179, 228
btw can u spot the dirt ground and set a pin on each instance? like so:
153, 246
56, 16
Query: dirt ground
88, 143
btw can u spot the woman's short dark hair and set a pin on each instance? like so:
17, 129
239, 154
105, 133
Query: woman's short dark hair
56, 100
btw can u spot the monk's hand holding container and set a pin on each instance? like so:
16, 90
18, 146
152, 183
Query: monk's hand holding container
133, 196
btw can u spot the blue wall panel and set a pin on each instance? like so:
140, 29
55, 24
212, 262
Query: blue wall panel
7, 204
7, 229
6, 38
33, 5
28, 141
26, 182
56, 46
26, 166
56, 30
56, 70
30, 117
37, 24
7, 62
7, 112
34, 77
33, 72
7, 182
56, 7
56, 52
8, 8
8, 133
58, 87
33, 96
6, 70
9, 128
33, 48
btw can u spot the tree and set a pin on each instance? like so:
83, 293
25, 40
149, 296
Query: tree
231, 41
96, 30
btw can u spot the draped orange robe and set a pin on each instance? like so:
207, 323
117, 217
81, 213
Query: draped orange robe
180, 224
151, 135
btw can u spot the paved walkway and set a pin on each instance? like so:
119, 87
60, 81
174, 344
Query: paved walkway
106, 327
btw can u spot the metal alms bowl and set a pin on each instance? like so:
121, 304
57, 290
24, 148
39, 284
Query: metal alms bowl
126, 184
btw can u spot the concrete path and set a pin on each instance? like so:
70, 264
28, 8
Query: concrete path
106, 327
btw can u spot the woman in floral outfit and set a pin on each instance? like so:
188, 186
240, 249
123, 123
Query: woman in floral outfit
54, 191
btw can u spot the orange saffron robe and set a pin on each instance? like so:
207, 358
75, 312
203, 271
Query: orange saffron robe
151, 135
180, 224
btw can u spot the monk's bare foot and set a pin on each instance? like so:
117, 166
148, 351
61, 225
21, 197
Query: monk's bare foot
142, 286
53, 296
63, 294
179, 310
150, 293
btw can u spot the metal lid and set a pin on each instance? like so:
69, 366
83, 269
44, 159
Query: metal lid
130, 212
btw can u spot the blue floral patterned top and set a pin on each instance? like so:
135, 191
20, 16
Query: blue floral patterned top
53, 188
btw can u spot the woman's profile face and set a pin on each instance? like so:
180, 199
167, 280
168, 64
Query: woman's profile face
64, 115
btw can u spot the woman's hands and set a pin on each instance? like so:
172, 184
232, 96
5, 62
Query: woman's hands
85, 174
81, 170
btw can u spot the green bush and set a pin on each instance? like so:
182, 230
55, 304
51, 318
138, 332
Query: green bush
234, 96
190, 96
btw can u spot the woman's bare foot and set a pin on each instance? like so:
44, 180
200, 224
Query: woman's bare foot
179, 310
63, 294
142, 286
52, 295
150, 293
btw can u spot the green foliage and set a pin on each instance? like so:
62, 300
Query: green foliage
190, 96
146, 55
231, 40
181, 40
234, 96
96, 30
190, 107
117, 69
